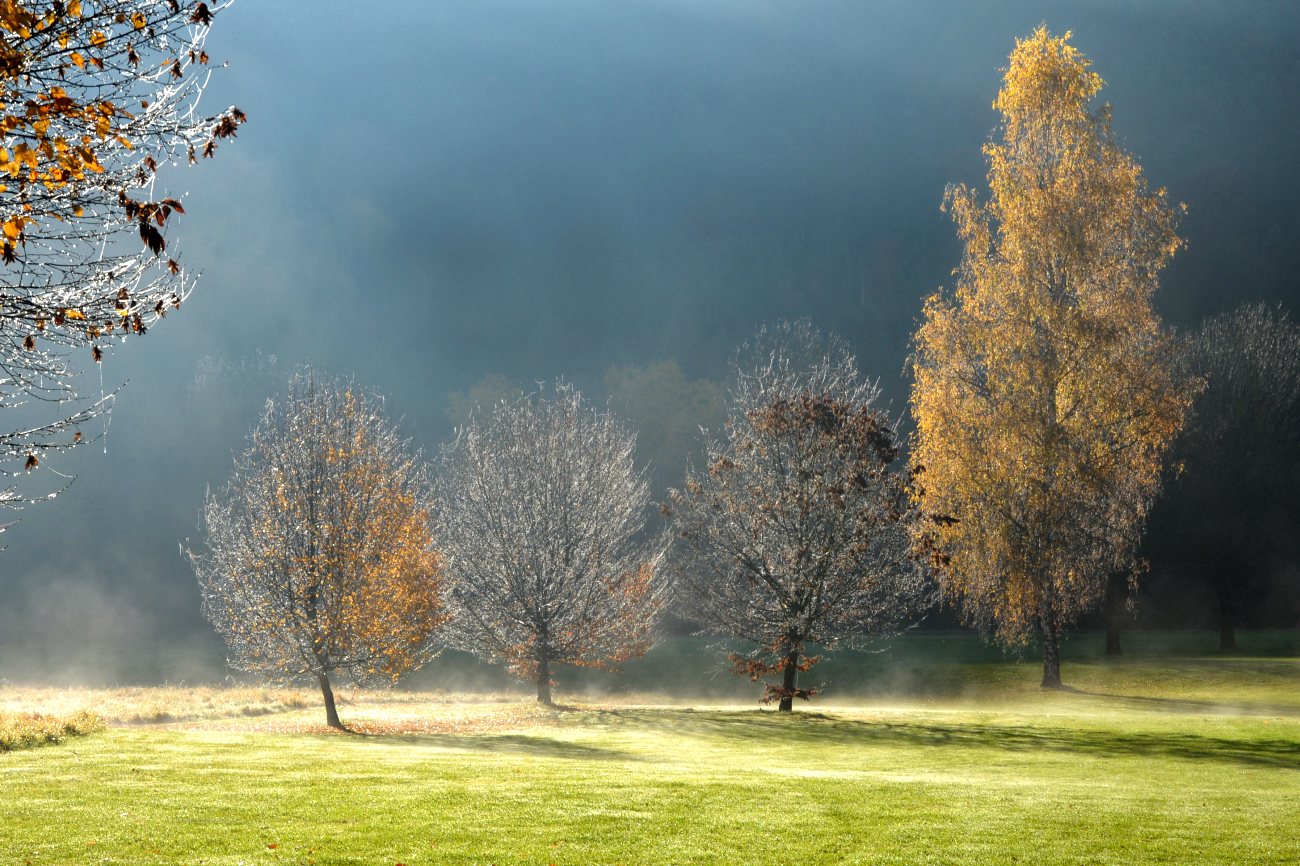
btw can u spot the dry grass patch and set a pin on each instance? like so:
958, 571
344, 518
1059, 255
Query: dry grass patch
283, 710
139, 705
25, 729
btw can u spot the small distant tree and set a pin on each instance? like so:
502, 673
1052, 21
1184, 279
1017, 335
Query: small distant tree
95, 97
1046, 391
319, 557
540, 514
1229, 505
483, 397
797, 532
668, 410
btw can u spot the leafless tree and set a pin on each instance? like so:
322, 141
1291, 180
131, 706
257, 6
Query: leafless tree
99, 96
1230, 503
797, 531
320, 558
541, 514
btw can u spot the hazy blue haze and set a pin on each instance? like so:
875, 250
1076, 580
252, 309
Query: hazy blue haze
426, 192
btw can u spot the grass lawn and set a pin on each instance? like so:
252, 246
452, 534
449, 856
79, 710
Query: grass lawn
1155, 759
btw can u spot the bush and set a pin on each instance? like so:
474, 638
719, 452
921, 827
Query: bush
23, 730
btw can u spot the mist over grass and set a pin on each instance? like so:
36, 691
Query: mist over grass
917, 666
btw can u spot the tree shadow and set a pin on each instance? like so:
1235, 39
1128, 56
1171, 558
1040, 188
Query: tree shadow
1186, 706
818, 728
509, 744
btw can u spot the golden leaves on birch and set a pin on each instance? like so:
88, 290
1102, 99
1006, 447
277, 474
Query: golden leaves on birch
1044, 392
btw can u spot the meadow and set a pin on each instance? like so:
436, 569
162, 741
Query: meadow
937, 750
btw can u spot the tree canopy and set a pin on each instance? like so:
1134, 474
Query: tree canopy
540, 515
1229, 513
668, 410
797, 530
320, 556
1045, 387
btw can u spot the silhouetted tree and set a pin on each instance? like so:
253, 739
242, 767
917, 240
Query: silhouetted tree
539, 510
1045, 392
1230, 503
797, 530
319, 552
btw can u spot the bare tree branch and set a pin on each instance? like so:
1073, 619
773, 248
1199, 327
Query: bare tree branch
797, 532
94, 97
540, 512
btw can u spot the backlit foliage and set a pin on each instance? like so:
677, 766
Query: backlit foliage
320, 557
1044, 391
94, 98
539, 509
798, 530
482, 398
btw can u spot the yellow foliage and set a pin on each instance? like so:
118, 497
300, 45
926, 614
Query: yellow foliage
1044, 393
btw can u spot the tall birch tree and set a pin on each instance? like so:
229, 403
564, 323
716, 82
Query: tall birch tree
1045, 390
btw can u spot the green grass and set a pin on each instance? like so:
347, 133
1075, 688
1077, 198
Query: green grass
1154, 759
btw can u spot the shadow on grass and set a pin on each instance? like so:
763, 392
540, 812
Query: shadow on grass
1190, 707
509, 744
813, 728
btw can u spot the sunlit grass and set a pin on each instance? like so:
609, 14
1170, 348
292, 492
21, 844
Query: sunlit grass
674, 785
1151, 759
142, 705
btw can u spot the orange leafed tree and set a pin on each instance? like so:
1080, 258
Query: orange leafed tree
320, 556
1045, 390
96, 98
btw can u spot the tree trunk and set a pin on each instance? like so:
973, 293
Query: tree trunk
1051, 652
787, 697
1116, 589
1227, 615
543, 676
331, 713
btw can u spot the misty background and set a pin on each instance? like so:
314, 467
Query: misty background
430, 193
